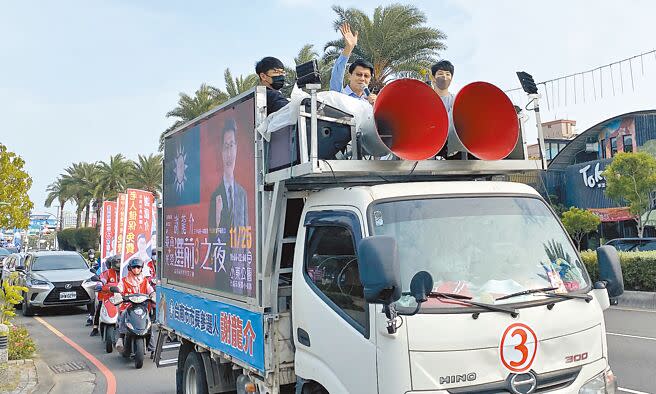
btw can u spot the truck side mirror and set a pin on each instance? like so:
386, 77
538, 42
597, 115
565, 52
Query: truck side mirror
380, 273
610, 270
421, 286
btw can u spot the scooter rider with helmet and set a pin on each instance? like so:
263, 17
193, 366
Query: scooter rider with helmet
110, 277
135, 282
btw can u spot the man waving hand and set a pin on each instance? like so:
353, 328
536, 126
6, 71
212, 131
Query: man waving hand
360, 71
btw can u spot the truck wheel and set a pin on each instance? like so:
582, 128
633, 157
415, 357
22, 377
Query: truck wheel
313, 388
138, 352
28, 310
109, 339
194, 380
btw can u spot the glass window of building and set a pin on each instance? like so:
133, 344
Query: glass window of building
613, 146
627, 140
602, 149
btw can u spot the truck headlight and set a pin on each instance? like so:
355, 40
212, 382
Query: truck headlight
604, 383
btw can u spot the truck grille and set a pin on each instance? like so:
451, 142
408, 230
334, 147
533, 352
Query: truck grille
546, 382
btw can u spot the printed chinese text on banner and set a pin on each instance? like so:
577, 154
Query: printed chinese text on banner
107, 233
139, 240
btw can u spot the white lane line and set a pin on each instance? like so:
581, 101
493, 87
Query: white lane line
615, 308
630, 336
631, 391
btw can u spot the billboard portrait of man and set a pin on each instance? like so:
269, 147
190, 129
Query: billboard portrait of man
228, 204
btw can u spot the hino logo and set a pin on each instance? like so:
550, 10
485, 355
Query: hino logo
68, 286
465, 377
524, 383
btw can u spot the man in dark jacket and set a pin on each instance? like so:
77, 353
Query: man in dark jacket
271, 72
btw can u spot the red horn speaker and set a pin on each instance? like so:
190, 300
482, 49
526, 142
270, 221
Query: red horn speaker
485, 121
411, 121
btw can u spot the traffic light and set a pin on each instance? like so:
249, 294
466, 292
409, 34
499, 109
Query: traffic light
528, 84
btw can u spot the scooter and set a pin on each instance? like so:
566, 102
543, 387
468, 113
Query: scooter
108, 324
138, 324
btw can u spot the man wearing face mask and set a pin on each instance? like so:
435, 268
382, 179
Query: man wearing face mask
271, 72
360, 71
442, 72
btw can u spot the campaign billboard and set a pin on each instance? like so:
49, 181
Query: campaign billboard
209, 202
108, 230
140, 233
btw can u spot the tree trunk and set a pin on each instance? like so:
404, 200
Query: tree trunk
86, 215
640, 226
98, 209
78, 219
61, 215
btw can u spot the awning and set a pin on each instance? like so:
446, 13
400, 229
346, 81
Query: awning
614, 214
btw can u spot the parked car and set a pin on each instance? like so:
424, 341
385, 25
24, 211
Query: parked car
633, 244
3, 254
55, 279
9, 265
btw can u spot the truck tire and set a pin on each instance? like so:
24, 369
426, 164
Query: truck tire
139, 352
194, 380
313, 388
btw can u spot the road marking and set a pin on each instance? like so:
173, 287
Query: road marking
631, 336
631, 391
111, 380
631, 309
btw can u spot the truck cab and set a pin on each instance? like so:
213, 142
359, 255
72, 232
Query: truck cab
487, 247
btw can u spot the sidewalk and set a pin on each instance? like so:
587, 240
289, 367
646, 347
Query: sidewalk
25, 372
638, 300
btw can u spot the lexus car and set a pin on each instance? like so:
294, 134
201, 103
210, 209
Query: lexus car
55, 279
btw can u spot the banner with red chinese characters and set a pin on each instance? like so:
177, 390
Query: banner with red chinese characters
119, 221
209, 202
139, 229
108, 230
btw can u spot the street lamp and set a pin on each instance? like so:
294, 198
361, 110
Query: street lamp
529, 86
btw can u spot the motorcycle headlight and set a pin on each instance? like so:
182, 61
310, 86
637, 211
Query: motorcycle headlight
604, 383
129, 325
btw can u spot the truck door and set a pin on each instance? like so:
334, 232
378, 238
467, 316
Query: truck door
331, 318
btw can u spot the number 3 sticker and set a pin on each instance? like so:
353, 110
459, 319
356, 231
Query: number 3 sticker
519, 344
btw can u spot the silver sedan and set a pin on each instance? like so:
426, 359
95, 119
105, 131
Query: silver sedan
55, 279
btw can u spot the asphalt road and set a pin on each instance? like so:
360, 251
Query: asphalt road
54, 352
631, 347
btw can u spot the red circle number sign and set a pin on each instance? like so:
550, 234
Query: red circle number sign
519, 344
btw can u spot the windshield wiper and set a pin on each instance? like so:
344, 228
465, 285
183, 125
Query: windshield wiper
467, 300
544, 290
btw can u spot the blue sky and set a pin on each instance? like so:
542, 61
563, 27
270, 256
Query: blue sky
82, 80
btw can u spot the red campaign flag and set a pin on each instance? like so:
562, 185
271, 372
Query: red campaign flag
119, 222
108, 230
140, 239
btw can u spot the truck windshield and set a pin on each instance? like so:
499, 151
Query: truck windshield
480, 247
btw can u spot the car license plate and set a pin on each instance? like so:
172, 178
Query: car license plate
67, 295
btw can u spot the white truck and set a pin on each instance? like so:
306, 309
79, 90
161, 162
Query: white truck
286, 269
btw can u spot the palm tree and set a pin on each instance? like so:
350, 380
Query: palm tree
112, 178
238, 85
58, 191
79, 183
396, 40
147, 174
204, 99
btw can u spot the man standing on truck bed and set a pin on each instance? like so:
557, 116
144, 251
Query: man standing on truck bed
228, 209
360, 71
271, 72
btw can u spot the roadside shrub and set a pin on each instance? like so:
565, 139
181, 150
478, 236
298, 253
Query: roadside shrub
638, 269
83, 238
10, 295
21, 345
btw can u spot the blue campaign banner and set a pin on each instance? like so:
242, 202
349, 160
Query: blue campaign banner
230, 329
182, 168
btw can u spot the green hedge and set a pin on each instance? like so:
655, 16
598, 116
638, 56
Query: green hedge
83, 238
638, 269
